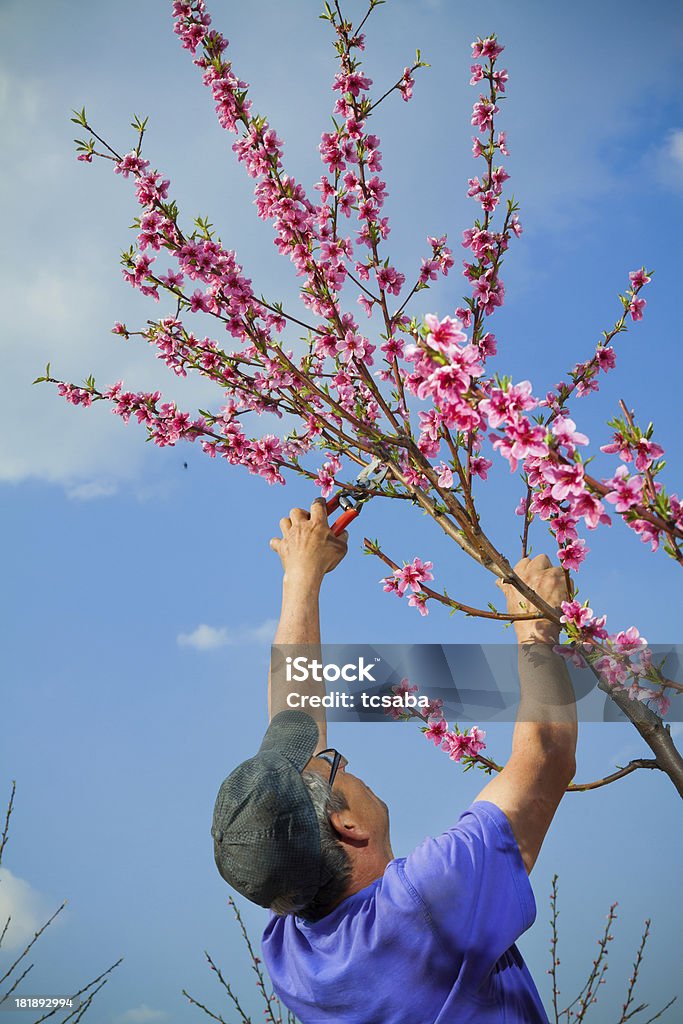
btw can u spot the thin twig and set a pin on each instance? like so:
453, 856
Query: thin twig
553, 947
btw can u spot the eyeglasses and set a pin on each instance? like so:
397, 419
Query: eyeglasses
335, 761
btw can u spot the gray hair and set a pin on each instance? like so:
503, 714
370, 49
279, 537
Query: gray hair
336, 866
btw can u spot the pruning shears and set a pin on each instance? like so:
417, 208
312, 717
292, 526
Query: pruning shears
351, 502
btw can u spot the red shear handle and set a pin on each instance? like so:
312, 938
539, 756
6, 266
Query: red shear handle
344, 519
333, 504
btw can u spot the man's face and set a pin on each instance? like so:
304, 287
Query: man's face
365, 808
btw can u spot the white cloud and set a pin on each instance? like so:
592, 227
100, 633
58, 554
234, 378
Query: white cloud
675, 147
62, 311
142, 1014
27, 908
91, 490
205, 638
667, 159
210, 638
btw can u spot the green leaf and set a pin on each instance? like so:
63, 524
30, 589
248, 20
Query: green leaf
80, 117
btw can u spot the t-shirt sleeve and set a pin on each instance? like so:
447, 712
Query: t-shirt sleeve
474, 885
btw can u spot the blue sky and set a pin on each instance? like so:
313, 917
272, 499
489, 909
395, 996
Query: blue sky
118, 733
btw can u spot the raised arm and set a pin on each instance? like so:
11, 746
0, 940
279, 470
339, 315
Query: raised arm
308, 550
543, 758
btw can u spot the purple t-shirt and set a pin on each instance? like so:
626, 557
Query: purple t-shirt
430, 942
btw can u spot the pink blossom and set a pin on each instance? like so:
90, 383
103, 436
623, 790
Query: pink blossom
488, 344
355, 346
404, 687
482, 114
543, 504
526, 440
459, 745
521, 508
649, 534
646, 453
475, 739
131, 163
74, 395
572, 555
575, 614
606, 358
503, 406
419, 601
429, 270
434, 708
619, 445
444, 332
636, 308
564, 430
405, 86
414, 478
638, 692
566, 480
489, 201
638, 278
390, 280
413, 575
200, 302
499, 176
456, 745
326, 475
479, 466
626, 492
515, 225
661, 702
629, 640
612, 670
500, 79
564, 528
353, 83
445, 478
487, 47
591, 509
391, 585
437, 729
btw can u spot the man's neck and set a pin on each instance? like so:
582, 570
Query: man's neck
365, 872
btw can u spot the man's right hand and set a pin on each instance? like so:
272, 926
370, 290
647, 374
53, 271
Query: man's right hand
307, 547
549, 582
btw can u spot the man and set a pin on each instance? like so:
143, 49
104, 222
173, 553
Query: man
357, 936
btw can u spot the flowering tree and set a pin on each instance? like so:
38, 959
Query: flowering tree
417, 395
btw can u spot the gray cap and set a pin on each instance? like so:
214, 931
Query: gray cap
265, 831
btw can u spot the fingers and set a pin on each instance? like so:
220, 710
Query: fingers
319, 511
298, 515
285, 525
529, 566
274, 544
529, 569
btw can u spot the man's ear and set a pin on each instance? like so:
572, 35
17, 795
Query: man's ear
347, 829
